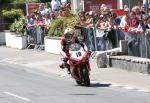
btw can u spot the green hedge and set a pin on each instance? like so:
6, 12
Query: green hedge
18, 25
59, 25
56, 28
12, 14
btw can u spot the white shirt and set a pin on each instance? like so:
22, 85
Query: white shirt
47, 21
123, 22
55, 4
47, 10
42, 12
148, 25
63, 1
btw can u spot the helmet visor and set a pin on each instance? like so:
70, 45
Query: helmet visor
68, 36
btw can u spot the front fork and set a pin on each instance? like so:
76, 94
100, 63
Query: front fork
76, 70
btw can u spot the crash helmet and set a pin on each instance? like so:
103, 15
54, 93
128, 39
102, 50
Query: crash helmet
68, 34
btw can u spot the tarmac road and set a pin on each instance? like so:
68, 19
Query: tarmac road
19, 84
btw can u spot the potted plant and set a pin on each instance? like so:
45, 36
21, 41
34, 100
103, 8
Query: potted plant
52, 41
10, 15
16, 38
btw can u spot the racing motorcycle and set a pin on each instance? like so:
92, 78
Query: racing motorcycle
79, 64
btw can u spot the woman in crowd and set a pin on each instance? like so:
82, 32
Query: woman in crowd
89, 20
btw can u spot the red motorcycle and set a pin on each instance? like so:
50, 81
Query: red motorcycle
79, 64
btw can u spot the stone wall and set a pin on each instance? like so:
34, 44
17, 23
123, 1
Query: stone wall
130, 63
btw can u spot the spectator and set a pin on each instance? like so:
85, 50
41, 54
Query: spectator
47, 22
47, 8
40, 29
60, 14
82, 18
114, 20
133, 19
31, 28
63, 2
68, 5
102, 7
41, 9
125, 21
95, 18
137, 11
143, 10
52, 16
140, 4
125, 6
55, 4
89, 21
30, 21
141, 27
102, 23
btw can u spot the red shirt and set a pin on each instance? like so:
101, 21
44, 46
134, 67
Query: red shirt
40, 21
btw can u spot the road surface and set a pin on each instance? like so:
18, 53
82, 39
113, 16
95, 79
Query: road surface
19, 84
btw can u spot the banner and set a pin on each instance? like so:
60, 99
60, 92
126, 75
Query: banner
32, 7
96, 4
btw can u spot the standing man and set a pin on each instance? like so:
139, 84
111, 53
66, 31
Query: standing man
55, 4
125, 22
31, 28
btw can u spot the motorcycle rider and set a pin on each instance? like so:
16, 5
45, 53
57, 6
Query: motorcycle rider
68, 38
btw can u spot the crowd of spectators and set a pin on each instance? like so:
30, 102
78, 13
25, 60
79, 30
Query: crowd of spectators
38, 22
135, 20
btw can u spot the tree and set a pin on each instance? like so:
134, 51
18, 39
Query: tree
5, 1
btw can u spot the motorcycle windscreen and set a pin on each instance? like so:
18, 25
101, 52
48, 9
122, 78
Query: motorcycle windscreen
77, 53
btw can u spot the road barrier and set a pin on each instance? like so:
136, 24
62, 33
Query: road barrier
139, 44
100, 39
35, 36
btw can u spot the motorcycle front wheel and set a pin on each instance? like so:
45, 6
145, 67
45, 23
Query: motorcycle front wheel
78, 82
85, 76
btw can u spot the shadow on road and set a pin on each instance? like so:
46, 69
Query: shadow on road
99, 85
83, 94
95, 85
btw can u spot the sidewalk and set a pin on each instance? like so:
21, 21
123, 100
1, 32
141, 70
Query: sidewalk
49, 63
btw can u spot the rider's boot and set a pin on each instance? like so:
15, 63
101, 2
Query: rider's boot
68, 68
63, 65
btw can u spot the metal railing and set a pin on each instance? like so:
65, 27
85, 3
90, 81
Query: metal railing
100, 39
139, 44
35, 36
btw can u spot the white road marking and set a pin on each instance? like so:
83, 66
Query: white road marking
17, 96
128, 87
144, 90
